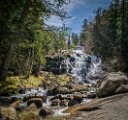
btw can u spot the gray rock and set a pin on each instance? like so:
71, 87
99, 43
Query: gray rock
45, 112
56, 97
36, 101
64, 102
55, 102
112, 83
73, 102
31, 107
8, 113
26, 98
30, 113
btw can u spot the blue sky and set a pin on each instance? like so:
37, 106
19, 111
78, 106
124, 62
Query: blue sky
79, 10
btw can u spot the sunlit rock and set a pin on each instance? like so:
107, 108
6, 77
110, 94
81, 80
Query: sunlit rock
112, 83
8, 113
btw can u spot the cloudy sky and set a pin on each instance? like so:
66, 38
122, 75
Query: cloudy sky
79, 10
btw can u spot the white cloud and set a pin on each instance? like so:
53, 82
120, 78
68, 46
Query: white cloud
55, 21
74, 4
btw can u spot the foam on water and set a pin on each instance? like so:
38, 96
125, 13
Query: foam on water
84, 67
59, 111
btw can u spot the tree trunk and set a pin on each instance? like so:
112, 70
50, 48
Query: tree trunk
37, 72
6, 63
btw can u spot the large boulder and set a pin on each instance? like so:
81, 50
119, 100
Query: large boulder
58, 90
30, 116
30, 113
112, 83
45, 112
68, 89
8, 113
36, 101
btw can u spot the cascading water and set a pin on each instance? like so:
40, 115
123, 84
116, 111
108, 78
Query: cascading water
84, 68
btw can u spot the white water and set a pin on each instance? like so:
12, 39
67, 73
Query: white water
59, 111
85, 68
84, 71
31, 92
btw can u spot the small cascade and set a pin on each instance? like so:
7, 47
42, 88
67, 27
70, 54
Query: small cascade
31, 92
79, 67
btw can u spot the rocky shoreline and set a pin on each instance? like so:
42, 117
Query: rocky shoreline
38, 107
73, 95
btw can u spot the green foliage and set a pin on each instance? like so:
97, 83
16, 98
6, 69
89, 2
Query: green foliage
22, 28
110, 34
86, 36
75, 38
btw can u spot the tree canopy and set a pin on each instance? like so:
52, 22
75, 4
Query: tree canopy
25, 38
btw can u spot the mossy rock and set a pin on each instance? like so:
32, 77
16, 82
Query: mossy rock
29, 116
12, 84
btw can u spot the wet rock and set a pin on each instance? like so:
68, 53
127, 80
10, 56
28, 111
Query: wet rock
58, 90
78, 87
78, 98
65, 90
73, 102
13, 99
56, 97
45, 112
26, 98
112, 83
91, 95
55, 102
8, 113
21, 90
36, 101
64, 102
21, 107
5, 93
5, 100
32, 107
69, 97
52, 91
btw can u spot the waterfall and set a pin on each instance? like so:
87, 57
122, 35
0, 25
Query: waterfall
85, 68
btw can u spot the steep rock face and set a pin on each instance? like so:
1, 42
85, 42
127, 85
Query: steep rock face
112, 83
56, 64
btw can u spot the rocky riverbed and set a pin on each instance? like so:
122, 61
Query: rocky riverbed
111, 108
82, 93
70, 102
